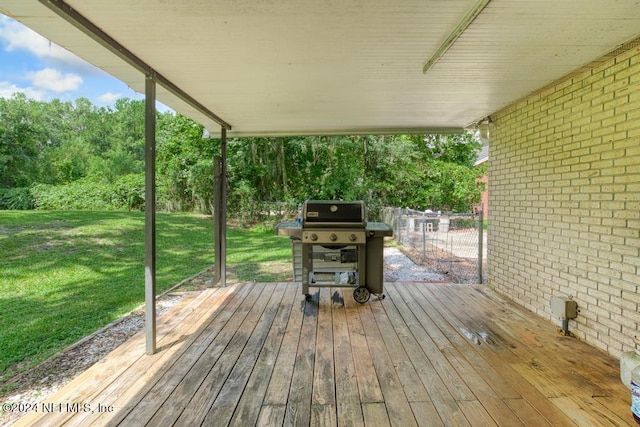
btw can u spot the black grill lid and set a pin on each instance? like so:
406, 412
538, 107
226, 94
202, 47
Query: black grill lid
334, 213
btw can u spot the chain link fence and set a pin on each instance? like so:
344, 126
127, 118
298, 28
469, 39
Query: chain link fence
451, 244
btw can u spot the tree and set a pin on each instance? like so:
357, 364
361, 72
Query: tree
121, 147
447, 178
64, 143
461, 149
184, 163
19, 143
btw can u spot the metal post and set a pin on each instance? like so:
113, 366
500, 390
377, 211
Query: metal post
400, 216
150, 214
217, 222
424, 235
480, 243
223, 206
407, 226
393, 222
220, 212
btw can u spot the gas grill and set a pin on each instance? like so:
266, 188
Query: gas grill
338, 247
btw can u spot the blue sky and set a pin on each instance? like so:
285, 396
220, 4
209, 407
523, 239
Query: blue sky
29, 63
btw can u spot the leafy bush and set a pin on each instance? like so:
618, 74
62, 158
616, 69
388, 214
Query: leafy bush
83, 194
241, 203
126, 193
463, 223
16, 199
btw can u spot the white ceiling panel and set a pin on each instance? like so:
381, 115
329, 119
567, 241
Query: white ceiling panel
283, 67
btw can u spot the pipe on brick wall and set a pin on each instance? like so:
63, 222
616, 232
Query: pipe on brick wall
485, 131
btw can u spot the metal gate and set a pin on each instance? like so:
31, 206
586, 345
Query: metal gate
452, 244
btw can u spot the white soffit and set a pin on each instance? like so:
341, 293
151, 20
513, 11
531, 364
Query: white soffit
293, 67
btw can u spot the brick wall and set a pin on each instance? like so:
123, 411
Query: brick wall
565, 200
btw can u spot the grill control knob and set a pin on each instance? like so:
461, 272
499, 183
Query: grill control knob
333, 237
353, 237
314, 237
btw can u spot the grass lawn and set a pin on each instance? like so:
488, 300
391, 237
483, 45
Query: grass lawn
65, 274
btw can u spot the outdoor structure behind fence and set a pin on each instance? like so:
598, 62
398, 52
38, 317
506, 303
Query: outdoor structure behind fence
452, 244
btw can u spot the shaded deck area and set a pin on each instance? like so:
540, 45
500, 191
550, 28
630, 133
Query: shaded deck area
427, 355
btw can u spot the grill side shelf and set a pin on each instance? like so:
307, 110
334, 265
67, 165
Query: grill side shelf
288, 229
379, 229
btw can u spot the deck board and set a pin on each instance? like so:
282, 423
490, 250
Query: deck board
395, 398
349, 409
249, 406
500, 359
428, 354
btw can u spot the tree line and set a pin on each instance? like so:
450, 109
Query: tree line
75, 155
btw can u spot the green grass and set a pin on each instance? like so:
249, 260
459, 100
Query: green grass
65, 274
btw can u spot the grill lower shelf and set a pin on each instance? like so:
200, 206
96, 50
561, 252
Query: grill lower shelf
341, 265
333, 278
328, 265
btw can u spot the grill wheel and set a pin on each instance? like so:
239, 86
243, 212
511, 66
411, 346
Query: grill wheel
361, 294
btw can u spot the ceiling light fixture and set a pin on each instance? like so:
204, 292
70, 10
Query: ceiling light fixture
460, 28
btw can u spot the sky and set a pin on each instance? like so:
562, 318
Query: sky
43, 71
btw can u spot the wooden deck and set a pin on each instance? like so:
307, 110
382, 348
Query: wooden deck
427, 355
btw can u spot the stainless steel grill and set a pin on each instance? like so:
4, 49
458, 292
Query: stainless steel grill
338, 247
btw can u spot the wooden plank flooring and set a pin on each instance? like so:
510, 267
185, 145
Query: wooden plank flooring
427, 355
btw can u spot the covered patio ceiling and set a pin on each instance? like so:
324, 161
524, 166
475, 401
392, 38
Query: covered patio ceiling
295, 67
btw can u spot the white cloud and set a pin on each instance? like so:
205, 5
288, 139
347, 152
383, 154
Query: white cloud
43, 70
109, 98
16, 36
52, 79
8, 89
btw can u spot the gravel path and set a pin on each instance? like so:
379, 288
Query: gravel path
36, 384
399, 268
